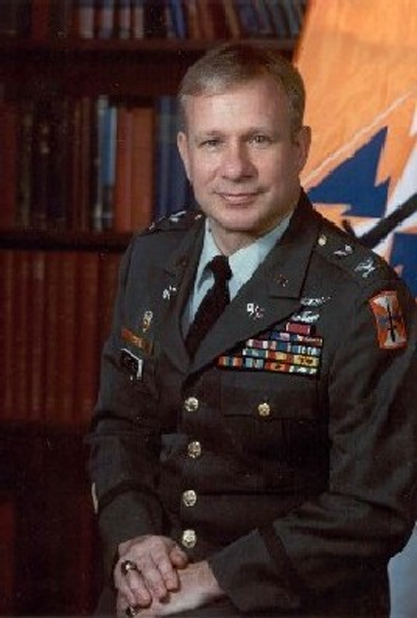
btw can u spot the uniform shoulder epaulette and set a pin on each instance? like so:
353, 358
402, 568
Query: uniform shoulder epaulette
347, 252
181, 220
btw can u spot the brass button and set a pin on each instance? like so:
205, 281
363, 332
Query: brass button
189, 497
194, 449
264, 409
191, 404
189, 539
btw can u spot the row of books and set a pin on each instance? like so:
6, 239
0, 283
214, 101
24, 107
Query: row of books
138, 19
87, 164
56, 309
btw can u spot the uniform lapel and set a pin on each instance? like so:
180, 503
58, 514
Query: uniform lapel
177, 278
271, 296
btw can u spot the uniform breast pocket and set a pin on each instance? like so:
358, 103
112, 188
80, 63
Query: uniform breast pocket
271, 415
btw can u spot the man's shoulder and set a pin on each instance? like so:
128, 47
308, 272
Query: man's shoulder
347, 256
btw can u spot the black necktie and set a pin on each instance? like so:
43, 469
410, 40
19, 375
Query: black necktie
212, 305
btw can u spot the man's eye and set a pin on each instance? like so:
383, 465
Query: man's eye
210, 143
260, 139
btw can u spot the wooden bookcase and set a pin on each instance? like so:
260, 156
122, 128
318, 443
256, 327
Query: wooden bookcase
48, 544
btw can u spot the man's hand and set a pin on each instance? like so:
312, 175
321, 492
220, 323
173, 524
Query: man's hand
157, 559
197, 587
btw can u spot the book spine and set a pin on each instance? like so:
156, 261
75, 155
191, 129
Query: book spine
21, 335
84, 18
8, 262
193, 20
138, 19
9, 120
88, 309
25, 164
101, 106
15, 18
177, 13
40, 168
40, 17
52, 352
142, 165
123, 19
36, 349
107, 172
66, 328
122, 192
232, 18
61, 18
105, 19
264, 19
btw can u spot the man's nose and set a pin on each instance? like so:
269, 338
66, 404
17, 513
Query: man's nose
236, 162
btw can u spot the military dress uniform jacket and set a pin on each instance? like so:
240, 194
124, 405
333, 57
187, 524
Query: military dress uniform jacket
285, 452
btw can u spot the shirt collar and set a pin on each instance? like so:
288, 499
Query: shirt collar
243, 262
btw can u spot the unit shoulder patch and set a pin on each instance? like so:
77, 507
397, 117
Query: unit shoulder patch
390, 327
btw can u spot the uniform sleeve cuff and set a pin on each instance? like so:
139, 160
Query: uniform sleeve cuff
256, 574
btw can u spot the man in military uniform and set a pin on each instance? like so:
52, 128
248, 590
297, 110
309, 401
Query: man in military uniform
263, 463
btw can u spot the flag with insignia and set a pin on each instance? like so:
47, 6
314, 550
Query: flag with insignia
359, 62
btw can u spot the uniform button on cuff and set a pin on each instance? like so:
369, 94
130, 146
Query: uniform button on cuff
189, 538
194, 449
264, 409
189, 497
191, 404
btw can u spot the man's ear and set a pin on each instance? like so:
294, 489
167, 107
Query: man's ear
302, 140
182, 144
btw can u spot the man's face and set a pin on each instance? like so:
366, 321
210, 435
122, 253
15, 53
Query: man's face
241, 158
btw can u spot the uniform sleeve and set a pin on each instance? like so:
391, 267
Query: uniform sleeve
124, 440
368, 512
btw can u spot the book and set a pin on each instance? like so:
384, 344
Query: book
138, 19
8, 544
123, 19
61, 24
60, 172
84, 18
7, 326
122, 221
52, 353
9, 120
265, 26
87, 319
37, 334
177, 13
105, 13
248, 18
15, 18
193, 20
232, 18
66, 330
107, 159
41, 164
21, 303
279, 18
24, 165
82, 155
213, 20
40, 20
143, 145
154, 19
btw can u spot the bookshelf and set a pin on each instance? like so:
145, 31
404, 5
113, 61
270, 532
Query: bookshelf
58, 269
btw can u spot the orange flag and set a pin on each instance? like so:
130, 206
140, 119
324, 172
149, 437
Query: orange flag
359, 62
